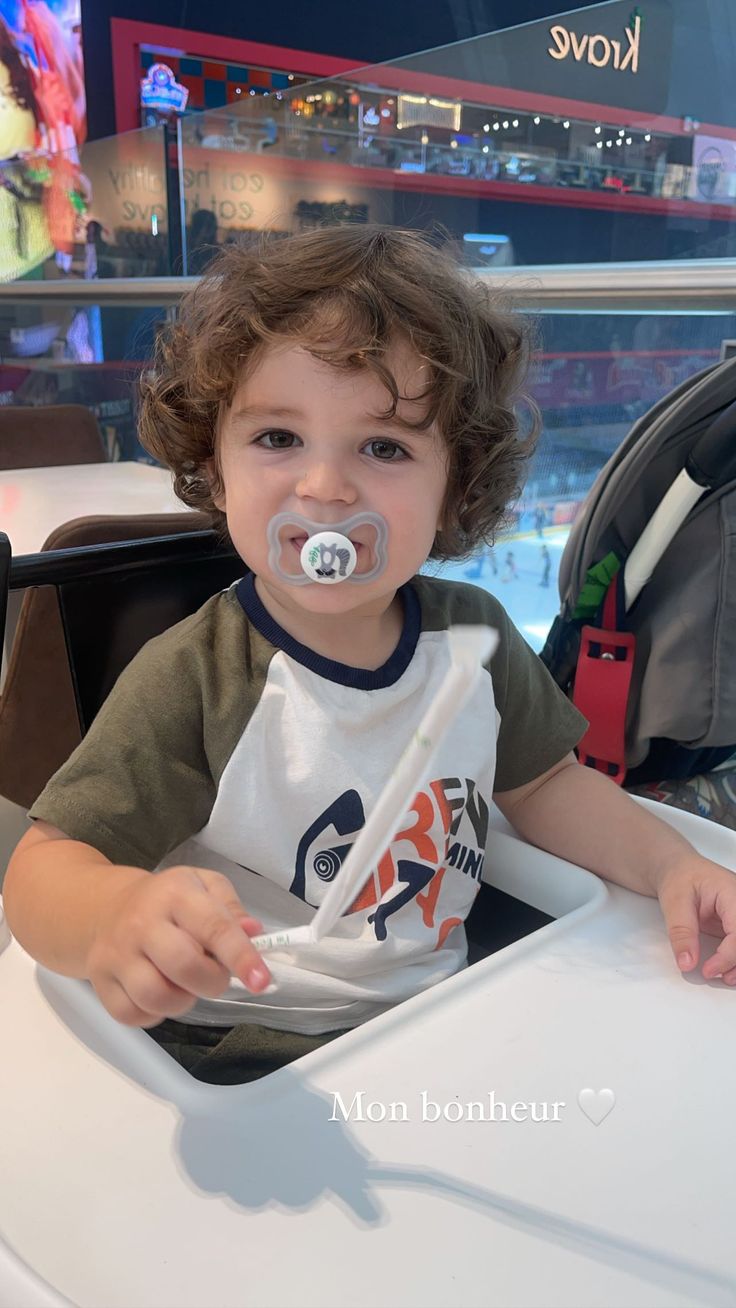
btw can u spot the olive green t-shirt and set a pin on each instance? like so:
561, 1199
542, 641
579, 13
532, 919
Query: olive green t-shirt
227, 744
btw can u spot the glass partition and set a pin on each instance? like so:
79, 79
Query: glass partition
67, 344
597, 137
605, 134
100, 210
133, 184
593, 375
265, 167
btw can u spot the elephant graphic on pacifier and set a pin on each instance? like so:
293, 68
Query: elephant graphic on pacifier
328, 556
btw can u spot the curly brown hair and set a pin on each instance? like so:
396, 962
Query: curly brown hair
346, 294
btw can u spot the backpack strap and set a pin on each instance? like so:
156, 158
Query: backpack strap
602, 682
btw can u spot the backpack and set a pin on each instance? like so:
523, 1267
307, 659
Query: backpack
657, 683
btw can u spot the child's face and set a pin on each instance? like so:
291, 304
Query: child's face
302, 436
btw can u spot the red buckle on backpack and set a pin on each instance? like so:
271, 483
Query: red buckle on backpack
601, 692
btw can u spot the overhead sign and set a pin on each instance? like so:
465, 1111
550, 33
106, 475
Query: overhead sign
160, 90
428, 111
599, 50
618, 54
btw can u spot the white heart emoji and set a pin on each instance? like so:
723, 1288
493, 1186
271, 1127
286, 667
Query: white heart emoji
596, 1104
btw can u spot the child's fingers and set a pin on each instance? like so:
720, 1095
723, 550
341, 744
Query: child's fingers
720, 892
121, 1004
184, 963
216, 926
681, 901
252, 926
218, 885
678, 903
723, 962
153, 992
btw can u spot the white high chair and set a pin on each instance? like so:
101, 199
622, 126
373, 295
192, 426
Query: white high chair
128, 1184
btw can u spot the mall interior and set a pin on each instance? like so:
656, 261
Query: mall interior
579, 168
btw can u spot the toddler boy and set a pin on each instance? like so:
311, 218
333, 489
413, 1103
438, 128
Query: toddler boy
354, 379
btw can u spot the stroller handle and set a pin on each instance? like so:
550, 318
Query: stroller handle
710, 464
669, 516
712, 460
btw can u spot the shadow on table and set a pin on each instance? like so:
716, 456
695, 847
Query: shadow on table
281, 1143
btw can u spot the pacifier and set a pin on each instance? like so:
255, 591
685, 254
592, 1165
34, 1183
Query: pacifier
301, 551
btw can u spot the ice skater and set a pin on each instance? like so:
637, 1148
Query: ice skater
546, 566
510, 573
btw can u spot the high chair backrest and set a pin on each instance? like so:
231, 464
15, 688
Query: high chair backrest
4, 585
90, 606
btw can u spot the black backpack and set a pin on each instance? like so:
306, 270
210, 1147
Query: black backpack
656, 674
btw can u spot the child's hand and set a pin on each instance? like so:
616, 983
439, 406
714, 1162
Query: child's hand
167, 939
696, 896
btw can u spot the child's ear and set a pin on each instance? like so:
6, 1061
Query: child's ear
217, 488
443, 515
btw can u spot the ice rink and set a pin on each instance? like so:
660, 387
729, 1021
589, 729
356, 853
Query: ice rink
531, 606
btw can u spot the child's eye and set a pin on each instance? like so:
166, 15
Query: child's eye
276, 440
387, 451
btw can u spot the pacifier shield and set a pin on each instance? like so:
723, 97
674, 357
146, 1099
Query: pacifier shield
301, 552
328, 557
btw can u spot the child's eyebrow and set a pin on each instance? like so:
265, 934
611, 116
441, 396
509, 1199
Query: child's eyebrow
265, 411
246, 412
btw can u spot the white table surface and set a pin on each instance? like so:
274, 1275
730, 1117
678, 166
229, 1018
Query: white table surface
34, 501
127, 1184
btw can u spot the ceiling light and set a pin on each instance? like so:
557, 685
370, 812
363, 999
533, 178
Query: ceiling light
486, 127
599, 145
537, 120
515, 123
648, 137
629, 140
486, 148
505, 124
598, 131
496, 127
566, 124
609, 144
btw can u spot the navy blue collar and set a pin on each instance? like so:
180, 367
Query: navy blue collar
358, 678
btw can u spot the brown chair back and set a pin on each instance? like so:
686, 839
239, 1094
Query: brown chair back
39, 724
49, 436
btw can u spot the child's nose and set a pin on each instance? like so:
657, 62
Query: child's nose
325, 480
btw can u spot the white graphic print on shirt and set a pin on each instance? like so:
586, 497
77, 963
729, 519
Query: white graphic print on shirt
413, 867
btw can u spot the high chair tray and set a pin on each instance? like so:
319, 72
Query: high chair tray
380, 1169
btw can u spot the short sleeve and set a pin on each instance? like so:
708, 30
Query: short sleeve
539, 725
140, 782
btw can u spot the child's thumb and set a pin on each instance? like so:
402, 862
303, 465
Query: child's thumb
680, 911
